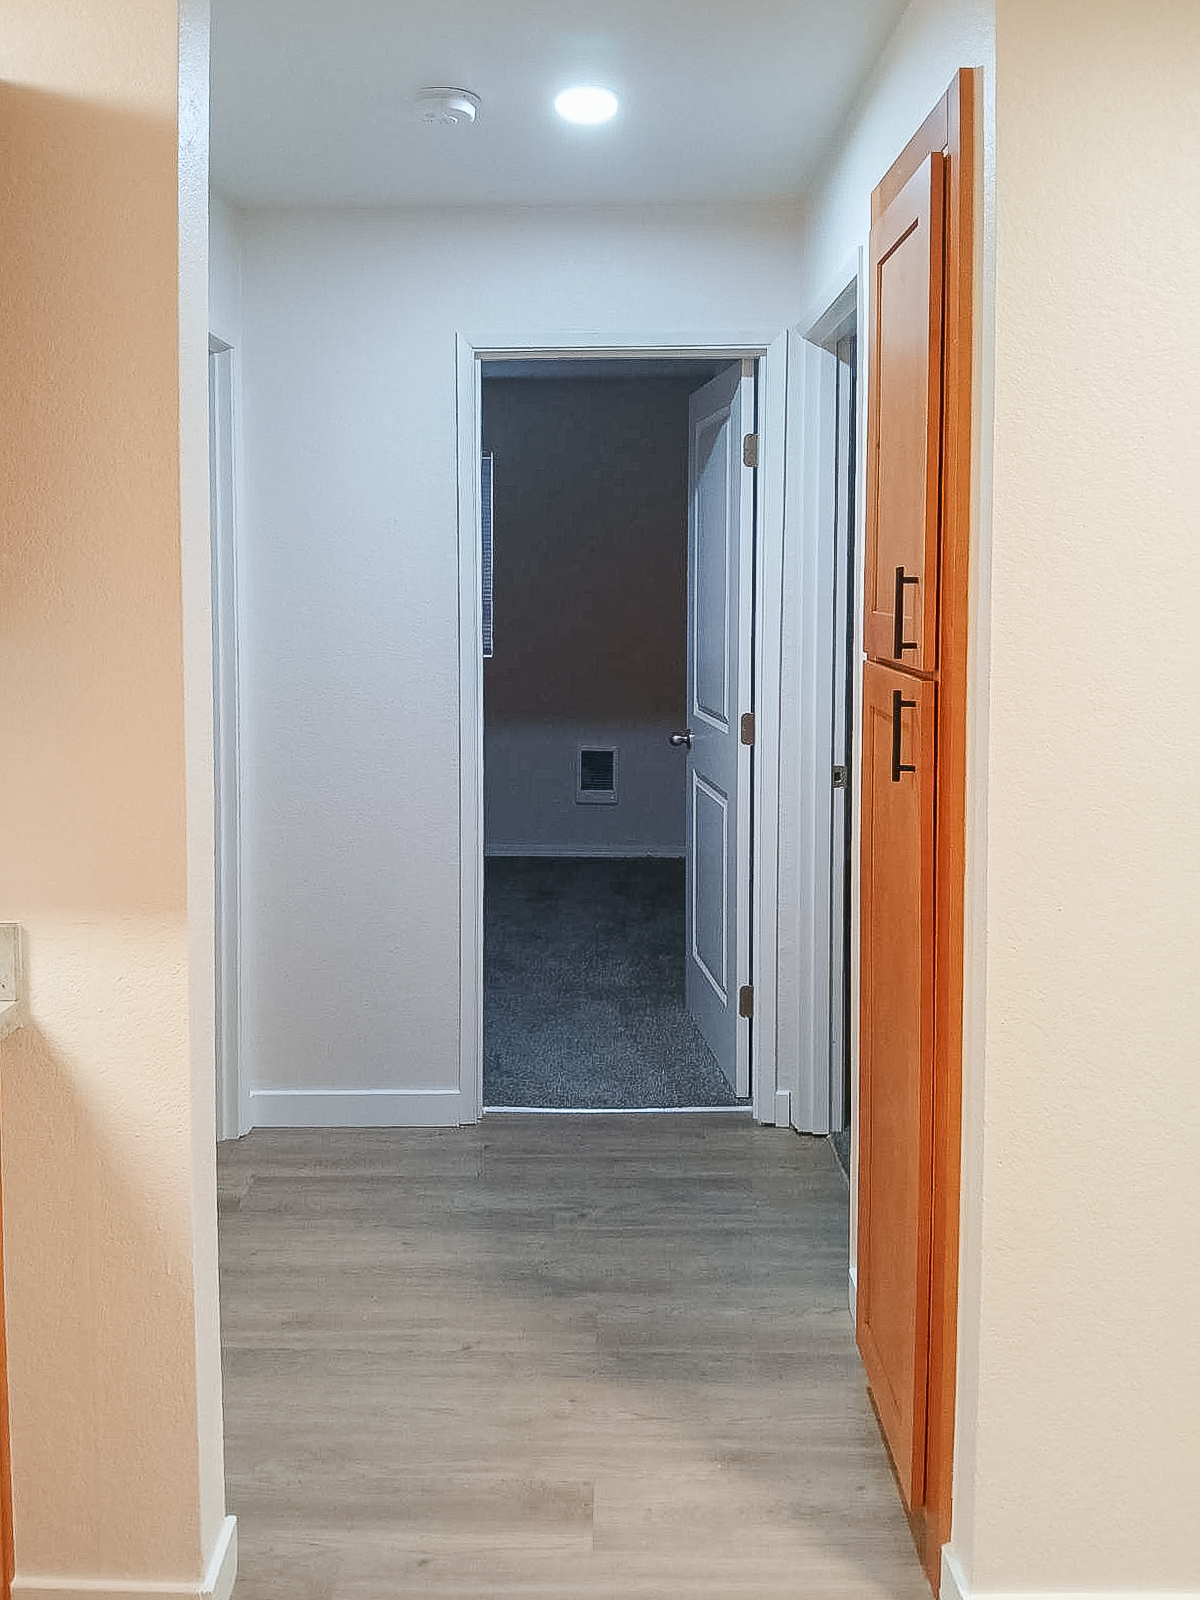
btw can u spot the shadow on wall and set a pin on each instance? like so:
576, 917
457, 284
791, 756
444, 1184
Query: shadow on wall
92, 806
103, 1128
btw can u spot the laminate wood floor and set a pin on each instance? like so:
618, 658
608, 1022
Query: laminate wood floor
581, 1358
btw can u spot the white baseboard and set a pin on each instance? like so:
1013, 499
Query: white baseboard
617, 852
358, 1108
854, 1291
216, 1584
783, 1108
955, 1587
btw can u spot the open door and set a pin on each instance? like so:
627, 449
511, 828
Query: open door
720, 558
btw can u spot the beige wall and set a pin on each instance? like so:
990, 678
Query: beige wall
109, 1209
1079, 1408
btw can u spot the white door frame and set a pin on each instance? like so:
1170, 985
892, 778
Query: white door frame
232, 1098
770, 349
805, 819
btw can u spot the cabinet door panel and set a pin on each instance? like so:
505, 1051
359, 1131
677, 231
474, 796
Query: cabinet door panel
904, 423
896, 1058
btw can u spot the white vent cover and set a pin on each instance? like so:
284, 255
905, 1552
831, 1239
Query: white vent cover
596, 776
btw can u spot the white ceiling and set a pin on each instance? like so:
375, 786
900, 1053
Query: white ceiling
720, 99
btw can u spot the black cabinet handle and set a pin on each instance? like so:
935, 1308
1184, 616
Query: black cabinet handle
899, 643
899, 703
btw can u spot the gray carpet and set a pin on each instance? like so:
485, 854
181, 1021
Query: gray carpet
583, 988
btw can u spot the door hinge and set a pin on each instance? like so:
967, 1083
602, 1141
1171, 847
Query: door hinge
750, 450
746, 1001
841, 777
747, 727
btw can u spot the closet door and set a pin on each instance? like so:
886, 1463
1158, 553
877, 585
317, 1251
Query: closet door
904, 423
896, 1058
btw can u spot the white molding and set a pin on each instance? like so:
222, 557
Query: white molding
616, 852
770, 348
232, 1103
359, 1108
806, 826
766, 802
860, 589
469, 416
852, 1280
216, 1584
952, 1586
835, 307
955, 1587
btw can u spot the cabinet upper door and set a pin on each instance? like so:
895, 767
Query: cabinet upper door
895, 1151
904, 423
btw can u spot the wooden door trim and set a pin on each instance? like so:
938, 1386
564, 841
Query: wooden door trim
951, 129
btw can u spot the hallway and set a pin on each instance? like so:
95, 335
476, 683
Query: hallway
569, 1357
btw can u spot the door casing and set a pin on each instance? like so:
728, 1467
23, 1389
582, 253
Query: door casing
232, 1099
769, 349
806, 975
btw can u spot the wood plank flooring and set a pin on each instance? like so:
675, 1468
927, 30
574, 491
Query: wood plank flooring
549, 1357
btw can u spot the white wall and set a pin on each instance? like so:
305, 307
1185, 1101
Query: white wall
591, 607
1079, 1406
349, 573
224, 270
933, 39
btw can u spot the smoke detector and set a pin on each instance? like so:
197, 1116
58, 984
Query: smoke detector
447, 108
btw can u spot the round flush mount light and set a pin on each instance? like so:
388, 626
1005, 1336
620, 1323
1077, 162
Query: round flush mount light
447, 108
586, 104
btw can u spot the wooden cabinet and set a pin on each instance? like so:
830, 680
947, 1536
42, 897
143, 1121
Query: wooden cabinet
918, 502
896, 1057
904, 431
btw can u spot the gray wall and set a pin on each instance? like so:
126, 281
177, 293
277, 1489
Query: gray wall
591, 610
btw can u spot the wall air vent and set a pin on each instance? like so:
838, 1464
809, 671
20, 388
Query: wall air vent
597, 777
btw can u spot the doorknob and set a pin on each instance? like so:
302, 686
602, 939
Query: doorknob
680, 739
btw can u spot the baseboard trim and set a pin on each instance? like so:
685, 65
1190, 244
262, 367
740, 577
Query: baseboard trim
955, 1587
616, 852
216, 1584
358, 1108
853, 1295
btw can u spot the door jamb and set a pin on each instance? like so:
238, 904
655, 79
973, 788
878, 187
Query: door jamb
770, 350
232, 1100
805, 718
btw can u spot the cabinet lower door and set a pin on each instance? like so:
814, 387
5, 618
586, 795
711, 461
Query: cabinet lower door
895, 1118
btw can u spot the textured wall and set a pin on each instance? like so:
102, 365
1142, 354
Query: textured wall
350, 580
109, 1216
932, 40
1079, 1407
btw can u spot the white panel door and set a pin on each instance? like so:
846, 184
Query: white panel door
720, 564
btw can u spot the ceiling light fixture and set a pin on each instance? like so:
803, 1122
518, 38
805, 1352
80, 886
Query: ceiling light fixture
586, 104
447, 108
